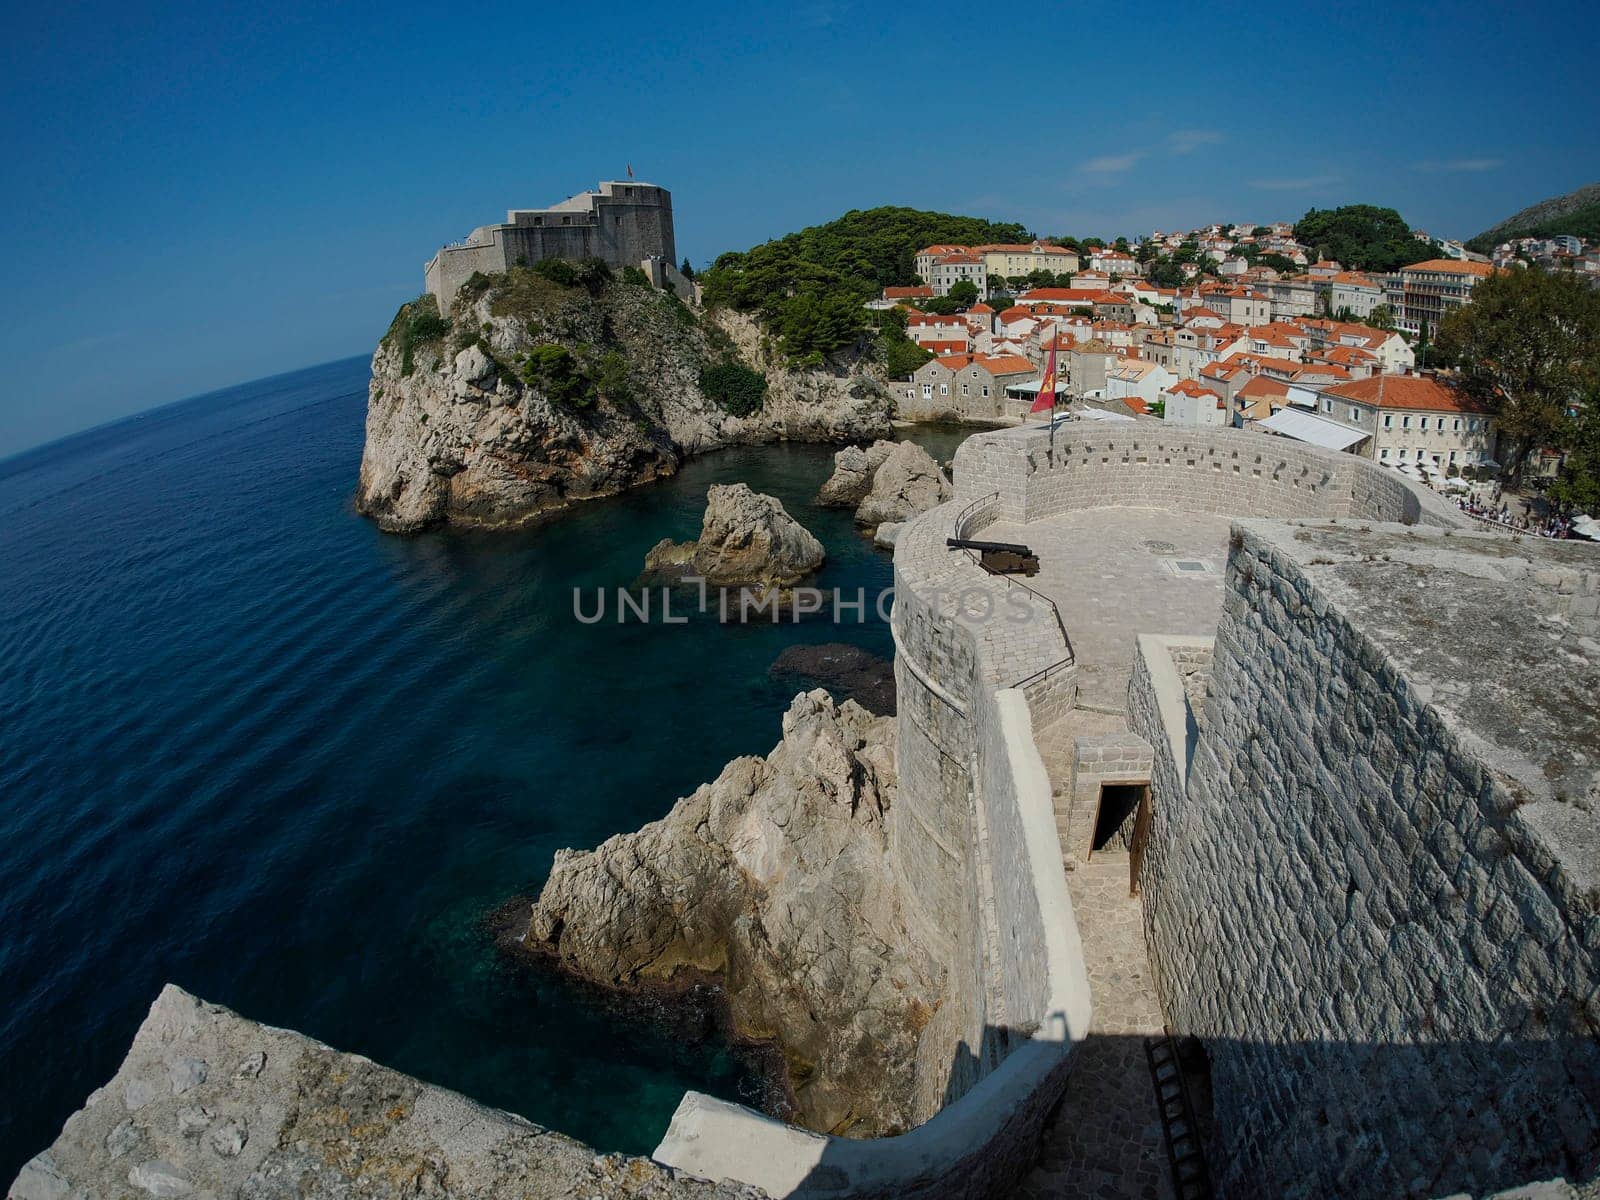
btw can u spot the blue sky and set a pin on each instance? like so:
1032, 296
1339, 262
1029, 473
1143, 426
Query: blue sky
193, 197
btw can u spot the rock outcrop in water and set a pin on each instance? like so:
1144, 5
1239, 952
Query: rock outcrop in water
886, 482
773, 878
853, 470
535, 395
207, 1103
746, 539
843, 670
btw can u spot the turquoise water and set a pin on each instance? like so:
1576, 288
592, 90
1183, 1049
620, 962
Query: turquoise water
252, 746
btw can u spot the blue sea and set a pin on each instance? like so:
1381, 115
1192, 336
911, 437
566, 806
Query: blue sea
252, 746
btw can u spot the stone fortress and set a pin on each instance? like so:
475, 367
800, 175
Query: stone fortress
1276, 754
624, 223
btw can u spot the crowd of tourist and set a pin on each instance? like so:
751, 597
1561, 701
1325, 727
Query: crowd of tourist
1550, 526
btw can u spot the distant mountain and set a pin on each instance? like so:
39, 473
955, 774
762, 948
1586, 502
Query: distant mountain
1577, 213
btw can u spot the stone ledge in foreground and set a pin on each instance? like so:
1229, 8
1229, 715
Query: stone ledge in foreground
207, 1103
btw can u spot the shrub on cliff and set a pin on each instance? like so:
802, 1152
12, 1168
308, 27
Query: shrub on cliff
558, 374
734, 388
589, 273
415, 325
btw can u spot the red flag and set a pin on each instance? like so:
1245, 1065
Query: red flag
1045, 401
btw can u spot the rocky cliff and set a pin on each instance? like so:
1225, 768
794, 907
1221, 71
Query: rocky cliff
774, 879
536, 394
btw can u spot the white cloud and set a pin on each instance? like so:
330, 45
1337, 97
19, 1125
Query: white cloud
1296, 184
1185, 141
1111, 164
1459, 164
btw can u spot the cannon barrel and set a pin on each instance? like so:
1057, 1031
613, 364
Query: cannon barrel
988, 547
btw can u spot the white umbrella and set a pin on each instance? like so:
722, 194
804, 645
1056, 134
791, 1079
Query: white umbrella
1586, 527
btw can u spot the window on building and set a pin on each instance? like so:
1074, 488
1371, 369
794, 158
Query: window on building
1405, 422
963, 389
1388, 420
1327, 406
1455, 427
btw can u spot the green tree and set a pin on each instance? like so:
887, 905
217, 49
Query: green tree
1166, 274
1528, 346
861, 253
734, 387
1577, 487
1381, 317
943, 306
820, 324
902, 356
687, 270
1362, 237
964, 292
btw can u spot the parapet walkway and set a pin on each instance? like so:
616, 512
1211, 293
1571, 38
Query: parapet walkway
1105, 1139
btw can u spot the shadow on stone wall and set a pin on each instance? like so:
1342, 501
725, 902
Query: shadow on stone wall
1337, 1139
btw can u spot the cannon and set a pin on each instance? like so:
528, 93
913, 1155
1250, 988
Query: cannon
999, 558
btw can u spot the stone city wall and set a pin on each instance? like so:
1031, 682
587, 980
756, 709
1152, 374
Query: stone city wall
1373, 896
1148, 464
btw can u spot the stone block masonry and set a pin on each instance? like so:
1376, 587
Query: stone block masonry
1098, 761
1374, 896
624, 223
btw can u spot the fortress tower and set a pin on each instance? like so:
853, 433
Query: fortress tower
625, 223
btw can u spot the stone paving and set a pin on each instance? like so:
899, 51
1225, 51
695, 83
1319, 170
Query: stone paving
1110, 572
1105, 1139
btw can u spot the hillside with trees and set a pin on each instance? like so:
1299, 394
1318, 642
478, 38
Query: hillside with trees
809, 287
1363, 237
1577, 213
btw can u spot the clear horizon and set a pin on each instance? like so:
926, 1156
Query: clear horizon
198, 198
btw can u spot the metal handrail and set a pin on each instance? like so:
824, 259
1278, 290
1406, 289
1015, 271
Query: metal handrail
961, 532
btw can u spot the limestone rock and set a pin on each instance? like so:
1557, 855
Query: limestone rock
887, 534
908, 482
746, 538
775, 879
305, 1120
456, 435
853, 471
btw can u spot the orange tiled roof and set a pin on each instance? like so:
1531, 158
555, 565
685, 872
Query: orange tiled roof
1263, 387
1417, 392
1452, 266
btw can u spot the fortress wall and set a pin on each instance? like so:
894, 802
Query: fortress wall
1149, 464
622, 224
1395, 973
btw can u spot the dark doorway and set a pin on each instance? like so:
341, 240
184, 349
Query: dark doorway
1114, 820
